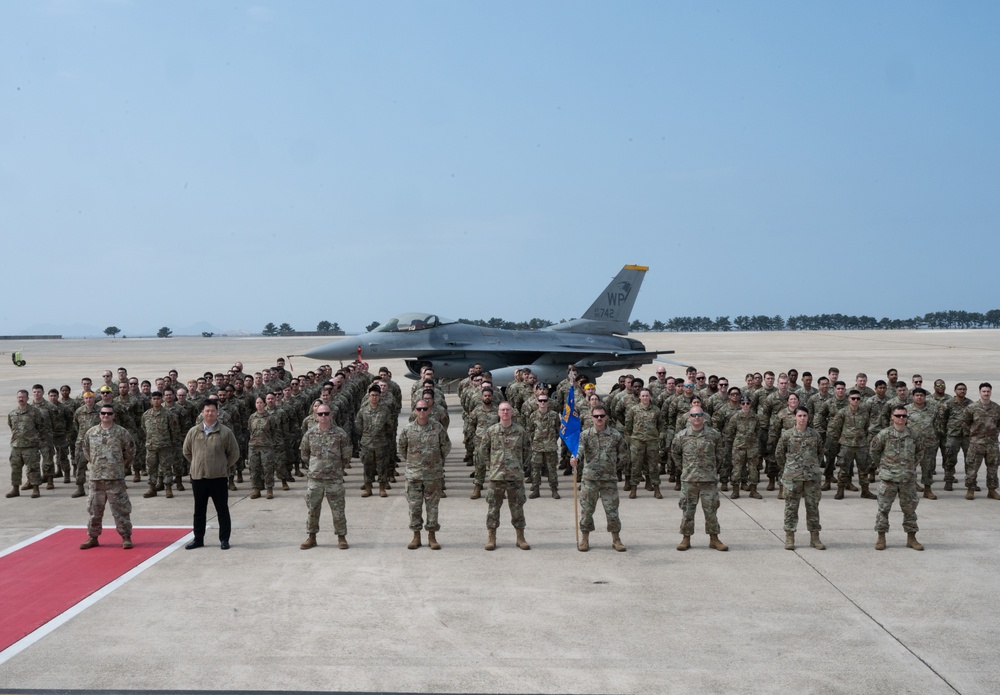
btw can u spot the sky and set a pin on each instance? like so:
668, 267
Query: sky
194, 164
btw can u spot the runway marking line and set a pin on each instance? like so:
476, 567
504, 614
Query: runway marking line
47, 579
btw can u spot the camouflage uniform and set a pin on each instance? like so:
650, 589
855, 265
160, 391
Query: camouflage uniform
481, 419
261, 451
724, 411
951, 422
507, 449
601, 453
894, 455
984, 424
543, 429
781, 421
27, 435
799, 455
111, 453
62, 425
163, 436
325, 453
700, 456
424, 448
643, 425
921, 423
850, 431
84, 419
741, 432
376, 427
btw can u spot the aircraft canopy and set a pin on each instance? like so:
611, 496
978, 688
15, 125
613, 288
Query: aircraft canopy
411, 322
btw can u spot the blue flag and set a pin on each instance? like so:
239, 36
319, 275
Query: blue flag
569, 427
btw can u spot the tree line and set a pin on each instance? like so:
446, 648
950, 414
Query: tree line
822, 322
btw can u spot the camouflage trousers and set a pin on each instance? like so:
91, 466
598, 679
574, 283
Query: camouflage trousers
162, 464
848, 457
926, 458
261, 460
980, 450
953, 445
316, 490
376, 462
607, 490
421, 493
830, 453
81, 470
48, 461
480, 462
114, 494
513, 490
645, 459
726, 467
887, 492
139, 437
544, 460
62, 456
21, 457
708, 493
809, 491
746, 465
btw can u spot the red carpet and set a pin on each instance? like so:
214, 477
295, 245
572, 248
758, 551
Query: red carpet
47, 577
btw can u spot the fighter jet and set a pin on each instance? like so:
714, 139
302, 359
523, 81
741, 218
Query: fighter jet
594, 343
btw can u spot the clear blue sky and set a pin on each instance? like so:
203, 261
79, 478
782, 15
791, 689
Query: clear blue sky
165, 163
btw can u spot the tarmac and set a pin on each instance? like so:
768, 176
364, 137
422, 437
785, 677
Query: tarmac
266, 616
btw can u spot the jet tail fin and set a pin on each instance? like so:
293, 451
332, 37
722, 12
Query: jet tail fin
610, 312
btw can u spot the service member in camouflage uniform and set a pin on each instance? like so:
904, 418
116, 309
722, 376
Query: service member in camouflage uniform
643, 427
894, 455
799, 452
374, 422
507, 447
423, 445
482, 417
742, 434
698, 451
325, 449
922, 423
110, 450
983, 420
85, 417
27, 434
543, 429
601, 449
952, 424
62, 425
849, 429
162, 435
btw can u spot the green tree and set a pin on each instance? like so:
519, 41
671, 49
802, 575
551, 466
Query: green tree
324, 326
270, 330
372, 326
164, 332
285, 328
112, 331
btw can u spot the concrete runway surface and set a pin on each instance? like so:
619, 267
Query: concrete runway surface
380, 618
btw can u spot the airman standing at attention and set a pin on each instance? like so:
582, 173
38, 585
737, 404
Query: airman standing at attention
507, 447
983, 420
373, 421
46, 446
111, 451
85, 417
894, 455
27, 434
324, 450
482, 418
423, 444
798, 453
698, 451
643, 425
543, 429
601, 449
162, 437
741, 434
849, 429
951, 420
922, 423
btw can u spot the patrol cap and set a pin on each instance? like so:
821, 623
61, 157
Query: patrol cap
105, 389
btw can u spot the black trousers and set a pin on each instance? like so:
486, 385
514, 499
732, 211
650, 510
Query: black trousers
218, 490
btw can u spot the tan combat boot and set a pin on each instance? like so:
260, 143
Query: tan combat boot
970, 494
911, 542
127, 542
432, 541
366, 491
35, 492
309, 542
477, 490
632, 493
627, 487
685, 543
949, 486
754, 494
14, 492
91, 543
135, 476
491, 539
269, 495
26, 486
584, 544
342, 542
616, 542
827, 482
255, 494
535, 494
382, 490
781, 492
724, 487
180, 486
851, 487
50, 482
656, 492
715, 543
929, 494
736, 493
415, 543
284, 486
168, 491
770, 483
866, 493
151, 492
789, 540
79, 492
840, 493
521, 543
880, 542
677, 485
992, 494
815, 542
555, 494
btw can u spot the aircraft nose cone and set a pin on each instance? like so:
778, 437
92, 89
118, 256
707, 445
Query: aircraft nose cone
339, 350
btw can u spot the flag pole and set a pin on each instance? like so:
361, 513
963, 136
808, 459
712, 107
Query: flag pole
576, 510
